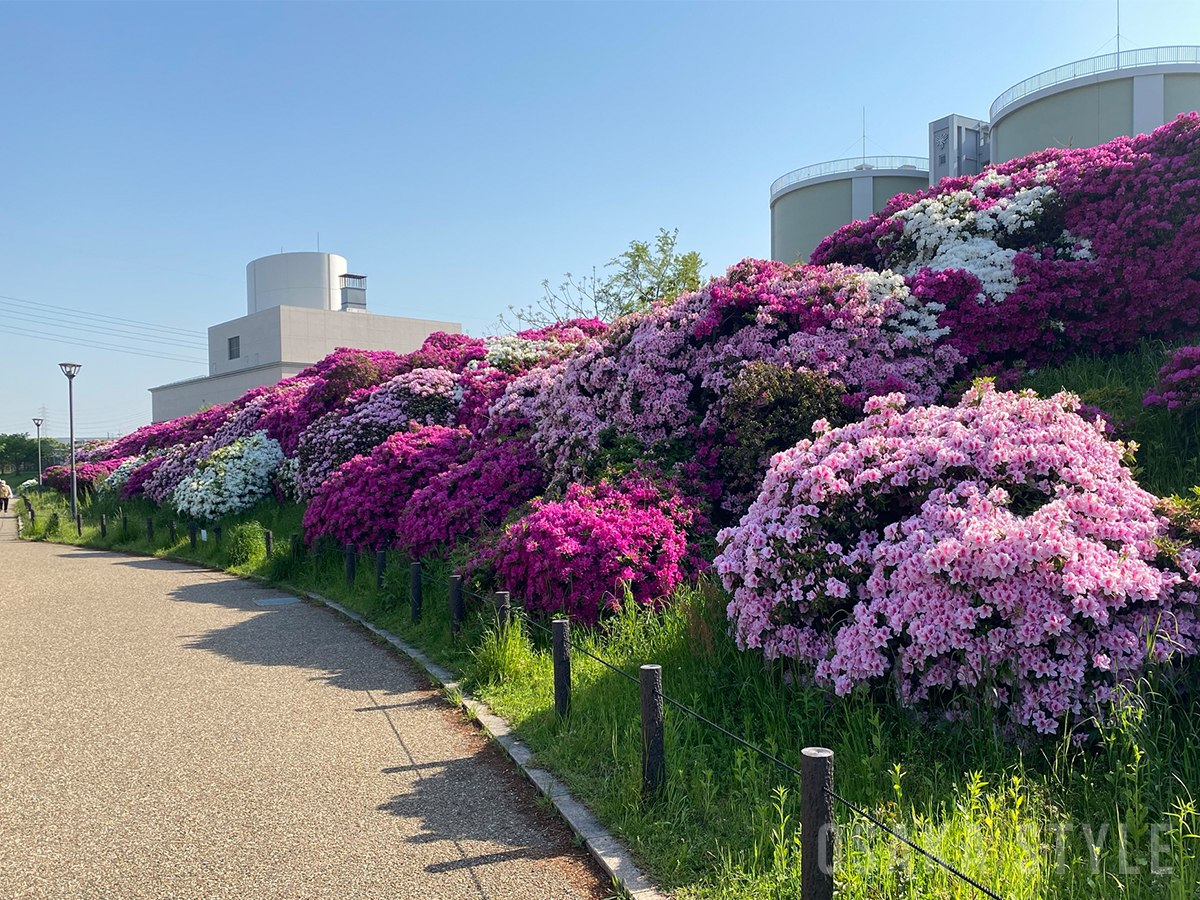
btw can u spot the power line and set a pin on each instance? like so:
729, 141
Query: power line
101, 316
112, 331
132, 351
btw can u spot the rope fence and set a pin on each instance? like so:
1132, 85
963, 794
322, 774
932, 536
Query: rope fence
817, 824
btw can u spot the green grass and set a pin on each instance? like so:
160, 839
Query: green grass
1016, 818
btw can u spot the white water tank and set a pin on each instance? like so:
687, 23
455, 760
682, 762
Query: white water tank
312, 280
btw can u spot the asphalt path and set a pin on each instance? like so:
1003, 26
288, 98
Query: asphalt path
171, 732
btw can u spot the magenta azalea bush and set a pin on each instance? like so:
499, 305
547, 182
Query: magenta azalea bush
363, 501
1178, 387
580, 554
995, 550
88, 475
1062, 251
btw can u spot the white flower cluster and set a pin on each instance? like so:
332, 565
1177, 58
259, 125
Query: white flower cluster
952, 231
511, 352
27, 485
286, 476
231, 480
117, 477
918, 322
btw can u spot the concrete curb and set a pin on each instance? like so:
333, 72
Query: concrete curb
612, 856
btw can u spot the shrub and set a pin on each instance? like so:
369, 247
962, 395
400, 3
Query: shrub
230, 480
1178, 387
88, 476
994, 552
580, 554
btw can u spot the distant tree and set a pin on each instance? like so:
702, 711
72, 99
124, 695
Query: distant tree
17, 452
645, 273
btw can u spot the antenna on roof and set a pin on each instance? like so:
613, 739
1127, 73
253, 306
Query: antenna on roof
318, 242
864, 136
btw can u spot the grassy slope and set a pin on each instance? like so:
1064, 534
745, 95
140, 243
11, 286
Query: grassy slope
725, 825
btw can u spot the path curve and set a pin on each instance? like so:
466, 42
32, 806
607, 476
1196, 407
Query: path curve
169, 731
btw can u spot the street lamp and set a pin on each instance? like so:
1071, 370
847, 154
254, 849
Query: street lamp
37, 423
71, 370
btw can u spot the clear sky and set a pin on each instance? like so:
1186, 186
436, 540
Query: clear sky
456, 153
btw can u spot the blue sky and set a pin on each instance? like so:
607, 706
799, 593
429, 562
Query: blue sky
456, 153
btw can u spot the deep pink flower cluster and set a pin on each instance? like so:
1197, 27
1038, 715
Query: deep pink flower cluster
1178, 385
579, 554
468, 497
87, 475
363, 502
135, 484
1059, 252
996, 550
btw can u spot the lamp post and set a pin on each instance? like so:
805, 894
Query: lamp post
71, 370
37, 423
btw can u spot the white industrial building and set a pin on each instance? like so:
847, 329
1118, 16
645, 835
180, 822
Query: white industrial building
1080, 104
300, 307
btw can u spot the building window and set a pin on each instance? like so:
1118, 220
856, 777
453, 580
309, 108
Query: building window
235, 347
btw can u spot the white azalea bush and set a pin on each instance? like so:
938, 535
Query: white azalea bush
117, 477
230, 480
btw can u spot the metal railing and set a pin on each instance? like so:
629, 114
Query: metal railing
852, 164
1096, 65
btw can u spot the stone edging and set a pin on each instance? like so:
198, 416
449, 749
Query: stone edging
612, 856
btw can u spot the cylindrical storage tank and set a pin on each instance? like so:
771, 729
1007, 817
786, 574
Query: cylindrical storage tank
811, 203
1092, 101
295, 279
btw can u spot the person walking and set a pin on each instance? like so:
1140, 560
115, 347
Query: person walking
5, 493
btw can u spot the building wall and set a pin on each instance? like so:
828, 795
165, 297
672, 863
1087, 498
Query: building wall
802, 217
310, 334
1083, 116
1181, 94
170, 401
259, 339
294, 279
886, 187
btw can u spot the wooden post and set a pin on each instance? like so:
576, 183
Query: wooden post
415, 590
103, 526
380, 566
171, 531
562, 666
192, 534
269, 540
503, 602
351, 562
295, 547
79, 523
124, 523
456, 604
32, 517
150, 530
654, 764
217, 533
816, 824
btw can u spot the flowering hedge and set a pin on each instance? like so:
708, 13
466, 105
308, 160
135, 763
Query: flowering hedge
1178, 385
1058, 252
229, 480
88, 475
579, 554
997, 549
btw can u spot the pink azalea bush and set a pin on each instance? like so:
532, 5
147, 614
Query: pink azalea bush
363, 501
997, 550
578, 555
88, 475
1178, 387
1055, 253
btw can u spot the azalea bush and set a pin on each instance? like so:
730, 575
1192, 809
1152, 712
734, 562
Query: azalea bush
88, 475
1062, 251
363, 501
1178, 387
581, 554
996, 552
230, 480
114, 483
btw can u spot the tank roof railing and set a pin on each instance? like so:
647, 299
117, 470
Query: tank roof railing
1096, 65
852, 164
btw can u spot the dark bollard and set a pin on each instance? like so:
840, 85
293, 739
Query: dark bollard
503, 607
217, 533
654, 763
816, 824
192, 534
32, 517
380, 566
171, 531
456, 604
150, 530
103, 526
562, 666
295, 547
351, 561
415, 591
124, 523
269, 541
79, 523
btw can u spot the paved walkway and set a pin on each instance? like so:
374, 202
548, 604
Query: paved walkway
165, 734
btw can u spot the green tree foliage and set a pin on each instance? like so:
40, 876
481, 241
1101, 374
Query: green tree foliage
646, 272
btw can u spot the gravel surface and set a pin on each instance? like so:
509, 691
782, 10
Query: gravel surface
163, 735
